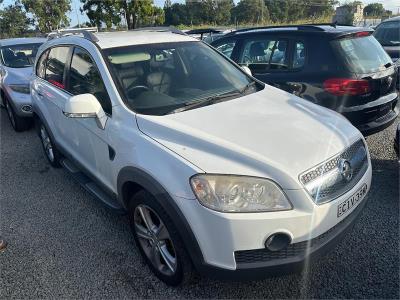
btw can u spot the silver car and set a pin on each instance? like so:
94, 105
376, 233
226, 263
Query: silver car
17, 57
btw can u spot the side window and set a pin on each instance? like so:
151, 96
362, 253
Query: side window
41, 65
299, 55
55, 66
226, 48
84, 77
263, 55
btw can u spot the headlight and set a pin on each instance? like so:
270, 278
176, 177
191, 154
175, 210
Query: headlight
232, 193
20, 88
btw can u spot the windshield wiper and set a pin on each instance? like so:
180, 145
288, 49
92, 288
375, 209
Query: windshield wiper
206, 101
213, 99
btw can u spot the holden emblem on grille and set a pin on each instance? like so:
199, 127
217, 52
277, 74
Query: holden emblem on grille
345, 169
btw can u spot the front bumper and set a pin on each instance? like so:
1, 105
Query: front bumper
19, 102
261, 263
232, 245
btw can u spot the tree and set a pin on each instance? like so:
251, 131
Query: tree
13, 21
111, 12
374, 10
251, 12
278, 10
176, 14
101, 12
167, 4
48, 14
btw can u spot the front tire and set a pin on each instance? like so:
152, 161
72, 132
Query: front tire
18, 123
50, 150
158, 240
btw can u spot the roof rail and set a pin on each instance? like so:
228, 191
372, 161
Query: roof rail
311, 27
86, 32
161, 29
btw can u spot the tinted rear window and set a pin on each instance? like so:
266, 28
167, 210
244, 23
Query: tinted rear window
362, 55
388, 34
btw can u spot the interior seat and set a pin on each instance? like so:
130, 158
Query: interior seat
131, 75
256, 52
159, 80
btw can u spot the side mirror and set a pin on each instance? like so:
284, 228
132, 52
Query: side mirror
85, 106
247, 70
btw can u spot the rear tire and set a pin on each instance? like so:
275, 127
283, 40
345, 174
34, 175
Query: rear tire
158, 240
18, 123
50, 150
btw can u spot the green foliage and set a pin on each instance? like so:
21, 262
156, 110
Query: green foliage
13, 21
100, 12
251, 12
111, 13
216, 12
374, 10
48, 14
222, 12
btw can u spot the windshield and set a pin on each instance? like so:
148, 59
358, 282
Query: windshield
362, 55
388, 33
158, 79
19, 56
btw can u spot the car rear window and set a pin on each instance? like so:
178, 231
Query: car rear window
388, 34
362, 54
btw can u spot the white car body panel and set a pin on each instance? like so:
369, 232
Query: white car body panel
269, 134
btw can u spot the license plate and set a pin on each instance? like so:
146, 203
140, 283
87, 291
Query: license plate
347, 205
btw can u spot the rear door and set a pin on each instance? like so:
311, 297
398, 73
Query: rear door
271, 58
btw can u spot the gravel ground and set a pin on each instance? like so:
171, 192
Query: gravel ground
63, 243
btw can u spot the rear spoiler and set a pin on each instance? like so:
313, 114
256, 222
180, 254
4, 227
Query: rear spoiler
355, 34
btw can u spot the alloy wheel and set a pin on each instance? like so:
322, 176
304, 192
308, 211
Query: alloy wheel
155, 240
47, 145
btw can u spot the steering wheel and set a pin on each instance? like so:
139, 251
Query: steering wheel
137, 90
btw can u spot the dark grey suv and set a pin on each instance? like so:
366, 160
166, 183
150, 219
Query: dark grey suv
388, 34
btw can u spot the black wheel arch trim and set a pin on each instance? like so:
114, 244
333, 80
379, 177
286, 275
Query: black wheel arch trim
143, 179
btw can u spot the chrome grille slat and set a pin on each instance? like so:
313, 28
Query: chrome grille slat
356, 154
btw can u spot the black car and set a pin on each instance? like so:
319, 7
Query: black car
340, 67
397, 141
388, 34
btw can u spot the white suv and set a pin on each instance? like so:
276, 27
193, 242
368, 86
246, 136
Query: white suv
217, 171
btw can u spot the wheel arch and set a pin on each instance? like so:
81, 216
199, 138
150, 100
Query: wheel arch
131, 180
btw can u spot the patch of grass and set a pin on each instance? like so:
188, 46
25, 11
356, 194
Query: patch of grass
325, 19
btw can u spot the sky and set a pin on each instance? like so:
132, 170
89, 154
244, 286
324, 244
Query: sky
75, 14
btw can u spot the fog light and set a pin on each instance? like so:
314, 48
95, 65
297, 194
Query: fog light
26, 108
278, 242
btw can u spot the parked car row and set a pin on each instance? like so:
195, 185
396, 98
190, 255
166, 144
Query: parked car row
217, 171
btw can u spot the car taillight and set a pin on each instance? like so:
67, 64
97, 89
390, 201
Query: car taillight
342, 86
363, 33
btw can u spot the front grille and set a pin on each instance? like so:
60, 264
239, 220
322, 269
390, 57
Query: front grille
300, 249
356, 155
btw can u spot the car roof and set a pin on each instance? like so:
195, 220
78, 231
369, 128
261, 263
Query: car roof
139, 37
391, 19
20, 41
331, 29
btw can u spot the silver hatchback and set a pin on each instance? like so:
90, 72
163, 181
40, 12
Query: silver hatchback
17, 57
